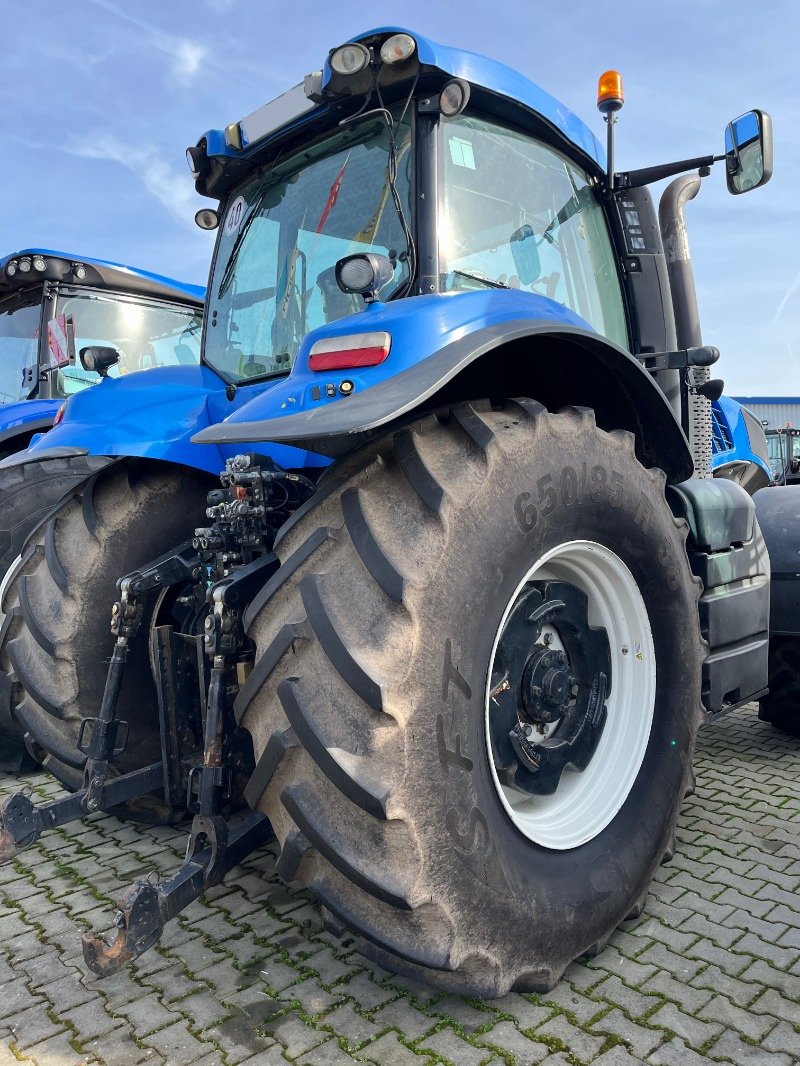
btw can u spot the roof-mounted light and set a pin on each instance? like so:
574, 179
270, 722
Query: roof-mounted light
78, 271
349, 59
24, 266
39, 263
349, 352
398, 48
11, 268
609, 92
454, 97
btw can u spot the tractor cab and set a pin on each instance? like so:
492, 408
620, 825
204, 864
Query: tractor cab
407, 169
55, 306
783, 446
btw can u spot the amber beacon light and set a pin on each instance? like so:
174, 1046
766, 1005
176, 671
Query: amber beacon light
609, 92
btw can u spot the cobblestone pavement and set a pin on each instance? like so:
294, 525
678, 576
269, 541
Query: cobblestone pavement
710, 971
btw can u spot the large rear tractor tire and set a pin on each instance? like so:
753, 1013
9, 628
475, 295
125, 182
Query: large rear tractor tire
56, 640
474, 573
27, 493
781, 707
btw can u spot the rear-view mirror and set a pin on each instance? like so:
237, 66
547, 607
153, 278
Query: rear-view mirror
525, 253
748, 151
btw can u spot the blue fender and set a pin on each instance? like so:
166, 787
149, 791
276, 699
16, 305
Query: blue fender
433, 339
154, 415
24, 417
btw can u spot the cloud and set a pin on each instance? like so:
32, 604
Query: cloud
187, 55
172, 188
793, 288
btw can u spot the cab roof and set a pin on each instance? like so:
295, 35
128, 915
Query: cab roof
99, 273
513, 94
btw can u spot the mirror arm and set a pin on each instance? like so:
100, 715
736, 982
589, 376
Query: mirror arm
634, 179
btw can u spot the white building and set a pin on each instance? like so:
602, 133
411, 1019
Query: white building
776, 411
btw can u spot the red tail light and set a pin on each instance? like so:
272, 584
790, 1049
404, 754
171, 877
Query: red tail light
60, 414
347, 353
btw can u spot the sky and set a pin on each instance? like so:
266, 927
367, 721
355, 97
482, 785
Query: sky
100, 99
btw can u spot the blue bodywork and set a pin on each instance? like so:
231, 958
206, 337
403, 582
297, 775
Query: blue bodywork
155, 413
26, 416
731, 438
418, 326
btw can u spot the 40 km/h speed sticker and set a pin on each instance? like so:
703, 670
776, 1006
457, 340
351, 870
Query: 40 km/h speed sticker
235, 215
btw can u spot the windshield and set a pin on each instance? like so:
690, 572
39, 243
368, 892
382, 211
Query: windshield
146, 333
282, 234
20, 320
518, 214
782, 445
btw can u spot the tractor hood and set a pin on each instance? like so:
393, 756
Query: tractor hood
154, 414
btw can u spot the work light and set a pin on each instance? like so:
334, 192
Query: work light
398, 48
349, 59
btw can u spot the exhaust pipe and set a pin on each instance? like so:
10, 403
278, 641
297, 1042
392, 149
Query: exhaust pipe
695, 409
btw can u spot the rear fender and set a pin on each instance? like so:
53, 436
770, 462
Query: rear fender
555, 358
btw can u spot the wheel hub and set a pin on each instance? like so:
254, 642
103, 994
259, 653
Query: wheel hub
548, 702
546, 685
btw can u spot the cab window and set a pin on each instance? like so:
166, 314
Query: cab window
516, 213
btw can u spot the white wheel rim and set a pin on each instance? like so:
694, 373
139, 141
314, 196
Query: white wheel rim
585, 803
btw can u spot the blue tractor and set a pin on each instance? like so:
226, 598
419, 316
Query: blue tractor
740, 448
448, 621
768, 465
53, 305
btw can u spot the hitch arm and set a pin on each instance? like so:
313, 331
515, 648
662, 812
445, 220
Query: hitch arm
23, 822
147, 908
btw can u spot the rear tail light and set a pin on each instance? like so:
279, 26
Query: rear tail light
60, 414
347, 353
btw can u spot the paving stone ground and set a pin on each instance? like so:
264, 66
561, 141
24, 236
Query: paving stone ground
710, 972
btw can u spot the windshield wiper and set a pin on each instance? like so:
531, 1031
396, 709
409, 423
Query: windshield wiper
244, 227
484, 281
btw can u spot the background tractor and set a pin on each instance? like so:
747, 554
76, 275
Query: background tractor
53, 305
458, 673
